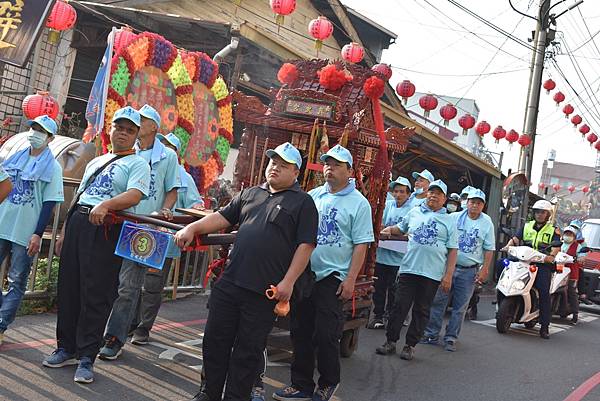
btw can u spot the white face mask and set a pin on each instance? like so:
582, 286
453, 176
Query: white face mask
568, 239
418, 191
36, 139
451, 207
463, 204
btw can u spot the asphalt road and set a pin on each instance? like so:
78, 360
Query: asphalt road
487, 366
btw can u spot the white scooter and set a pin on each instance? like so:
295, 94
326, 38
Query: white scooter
520, 301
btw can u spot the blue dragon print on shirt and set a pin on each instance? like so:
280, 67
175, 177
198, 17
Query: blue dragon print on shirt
22, 192
467, 242
152, 189
426, 234
102, 185
329, 232
394, 221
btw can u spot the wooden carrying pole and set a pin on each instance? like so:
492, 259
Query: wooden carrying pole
262, 163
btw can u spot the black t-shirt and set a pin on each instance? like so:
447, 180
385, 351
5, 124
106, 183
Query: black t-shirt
555, 238
271, 226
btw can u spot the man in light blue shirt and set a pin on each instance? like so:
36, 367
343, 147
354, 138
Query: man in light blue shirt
155, 280
36, 187
476, 244
428, 263
5, 184
345, 230
162, 195
422, 181
388, 261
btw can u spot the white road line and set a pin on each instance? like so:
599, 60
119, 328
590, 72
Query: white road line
554, 327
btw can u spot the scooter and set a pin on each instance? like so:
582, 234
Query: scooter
519, 299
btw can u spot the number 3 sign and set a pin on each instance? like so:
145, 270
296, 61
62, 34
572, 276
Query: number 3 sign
143, 245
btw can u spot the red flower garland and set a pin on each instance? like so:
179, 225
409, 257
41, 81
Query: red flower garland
184, 90
225, 101
287, 74
185, 124
330, 77
226, 134
374, 87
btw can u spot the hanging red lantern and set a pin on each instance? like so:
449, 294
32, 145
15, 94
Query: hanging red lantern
466, 122
62, 17
499, 133
559, 97
556, 187
448, 112
123, 37
512, 136
406, 89
591, 138
585, 189
524, 140
428, 103
571, 188
549, 85
576, 120
281, 8
40, 104
597, 146
483, 128
568, 109
320, 29
353, 52
584, 129
541, 185
383, 69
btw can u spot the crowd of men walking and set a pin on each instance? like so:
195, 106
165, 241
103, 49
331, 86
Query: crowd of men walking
102, 298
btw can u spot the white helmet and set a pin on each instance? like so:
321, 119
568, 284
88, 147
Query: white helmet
543, 205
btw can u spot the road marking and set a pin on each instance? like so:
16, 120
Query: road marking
587, 386
554, 327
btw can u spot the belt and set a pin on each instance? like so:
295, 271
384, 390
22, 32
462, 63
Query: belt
84, 209
468, 267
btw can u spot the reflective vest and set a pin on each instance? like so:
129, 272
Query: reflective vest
537, 238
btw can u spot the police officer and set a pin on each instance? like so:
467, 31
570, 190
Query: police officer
38, 186
276, 236
164, 181
89, 269
544, 237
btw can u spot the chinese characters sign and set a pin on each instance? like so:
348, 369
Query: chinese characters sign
143, 245
20, 25
310, 109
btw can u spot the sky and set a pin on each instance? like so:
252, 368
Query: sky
436, 51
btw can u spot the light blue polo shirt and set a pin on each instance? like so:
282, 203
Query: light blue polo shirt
129, 172
474, 238
392, 216
3, 175
20, 211
344, 221
430, 235
416, 201
164, 176
187, 196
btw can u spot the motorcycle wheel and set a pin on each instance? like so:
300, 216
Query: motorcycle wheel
506, 312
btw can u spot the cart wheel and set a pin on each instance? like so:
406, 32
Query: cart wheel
348, 343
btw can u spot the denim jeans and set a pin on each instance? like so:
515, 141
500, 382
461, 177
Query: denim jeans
20, 265
463, 284
131, 280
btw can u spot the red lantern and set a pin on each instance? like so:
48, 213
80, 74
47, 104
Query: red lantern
591, 138
428, 103
556, 187
353, 52
483, 128
568, 109
466, 122
524, 140
40, 104
571, 188
597, 146
585, 189
549, 85
383, 69
123, 37
499, 133
559, 97
320, 29
512, 136
448, 112
281, 8
576, 120
584, 129
541, 185
406, 89
62, 17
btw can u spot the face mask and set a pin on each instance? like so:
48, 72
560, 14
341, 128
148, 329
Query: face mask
463, 204
418, 191
568, 239
451, 207
36, 139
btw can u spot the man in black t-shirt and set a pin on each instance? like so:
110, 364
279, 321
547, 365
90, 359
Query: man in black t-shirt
276, 236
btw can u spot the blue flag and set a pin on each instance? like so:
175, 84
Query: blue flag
94, 113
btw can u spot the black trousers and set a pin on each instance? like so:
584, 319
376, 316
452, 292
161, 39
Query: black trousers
542, 283
383, 298
239, 322
88, 279
411, 291
316, 326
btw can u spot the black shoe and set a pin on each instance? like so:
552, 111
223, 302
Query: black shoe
376, 323
574, 319
544, 333
388, 348
201, 396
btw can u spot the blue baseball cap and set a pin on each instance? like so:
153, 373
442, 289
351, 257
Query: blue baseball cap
287, 152
47, 123
424, 174
466, 190
439, 184
476, 193
400, 181
128, 113
339, 153
172, 139
576, 223
150, 112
